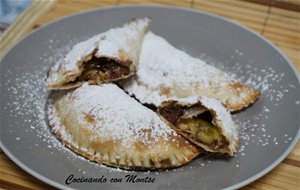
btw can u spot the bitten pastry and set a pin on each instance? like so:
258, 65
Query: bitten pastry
165, 72
106, 57
203, 121
105, 125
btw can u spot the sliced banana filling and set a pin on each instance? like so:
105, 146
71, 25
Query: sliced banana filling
195, 123
98, 70
202, 131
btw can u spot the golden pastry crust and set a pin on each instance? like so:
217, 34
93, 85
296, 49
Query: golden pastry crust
80, 119
235, 96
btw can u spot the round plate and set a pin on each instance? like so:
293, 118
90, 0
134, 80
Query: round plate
269, 129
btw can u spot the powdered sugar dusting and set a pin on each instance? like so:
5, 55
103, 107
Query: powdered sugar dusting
114, 110
29, 100
159, 61
264, 79
172, 63
27, 108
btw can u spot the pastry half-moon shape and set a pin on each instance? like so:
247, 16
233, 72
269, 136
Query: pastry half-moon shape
105, 125
106, 57
165, 72
204, 121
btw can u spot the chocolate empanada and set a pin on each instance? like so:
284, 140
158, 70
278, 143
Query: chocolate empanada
106, 57
165, 72
105, 125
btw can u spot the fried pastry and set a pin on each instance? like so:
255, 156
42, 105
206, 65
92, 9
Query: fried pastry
105, 125
204, 121
165, 72
106, 57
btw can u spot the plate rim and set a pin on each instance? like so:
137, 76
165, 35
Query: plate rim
193, 10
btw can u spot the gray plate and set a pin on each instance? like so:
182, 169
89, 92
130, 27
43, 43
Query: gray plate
269, 128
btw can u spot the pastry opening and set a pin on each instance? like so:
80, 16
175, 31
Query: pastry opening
196, 123
102, 69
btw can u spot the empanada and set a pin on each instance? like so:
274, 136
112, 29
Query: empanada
165, 72
105, 125
106, 57
204, 121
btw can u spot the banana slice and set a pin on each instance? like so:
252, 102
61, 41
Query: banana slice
201, 130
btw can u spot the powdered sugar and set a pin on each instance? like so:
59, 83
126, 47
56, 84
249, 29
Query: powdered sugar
261, 79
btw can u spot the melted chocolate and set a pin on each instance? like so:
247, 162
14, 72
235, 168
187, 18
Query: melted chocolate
103, 69
172, 113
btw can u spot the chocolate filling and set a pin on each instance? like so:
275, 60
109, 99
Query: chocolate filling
102, 70
172, 112
198, 128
